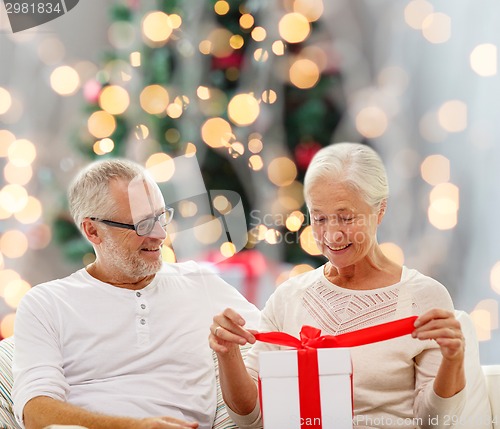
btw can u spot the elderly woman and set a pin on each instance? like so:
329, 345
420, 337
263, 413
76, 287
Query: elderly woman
408, 379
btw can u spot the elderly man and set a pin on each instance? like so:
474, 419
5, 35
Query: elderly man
121, 343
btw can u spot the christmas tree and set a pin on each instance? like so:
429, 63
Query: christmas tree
252, 88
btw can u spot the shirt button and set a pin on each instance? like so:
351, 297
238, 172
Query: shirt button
138, 294
143, 322
143, 306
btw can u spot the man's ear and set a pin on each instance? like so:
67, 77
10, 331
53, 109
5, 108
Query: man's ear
381, 211
90, 231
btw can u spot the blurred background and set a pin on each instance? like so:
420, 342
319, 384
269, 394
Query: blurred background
249, 91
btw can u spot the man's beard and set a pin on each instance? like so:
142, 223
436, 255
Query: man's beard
130, 264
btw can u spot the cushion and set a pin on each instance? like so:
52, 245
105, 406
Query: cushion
492, 374
477, 412
7, 420
222, 419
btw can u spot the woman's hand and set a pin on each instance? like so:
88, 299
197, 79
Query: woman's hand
227, 332
440, 325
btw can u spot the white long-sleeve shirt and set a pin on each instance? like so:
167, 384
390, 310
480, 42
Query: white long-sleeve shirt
392, 380
123, 352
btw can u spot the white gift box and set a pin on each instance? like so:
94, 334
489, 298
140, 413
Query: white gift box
280, 390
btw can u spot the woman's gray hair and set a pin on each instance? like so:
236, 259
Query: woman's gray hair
89, 195
354, 164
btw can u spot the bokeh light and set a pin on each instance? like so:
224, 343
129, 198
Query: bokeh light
51, 50
435, 169
141, 132
39, 236
307, 241
13, 198
485, 318
255, 145
168, 254
316, 54
114, 99
220, 46
291, 196
221, 7
261, 55
436, 28
203, 93
156, 28
14, 291
300, 269
282, 171
5, 100
6, 138
161, 166
444, 204
243, 109
227, 249
256, 163
174, 110
21, 153
65, 80
175, 20
6, 276
101, 124
294, 27
278, 47
371, 122
135, 59
236, 149
13, 244
236, 41
207, 229
154, 99
259, 34
416, 11
121, 34
7, 325
269, 96
246, 21
190, 150
216, 132
304, 73
17, 175
452, 116
187, 209
393, 252
104, 146
31, 212
482, 323
294, 221
311, 9
272, 236
484, 59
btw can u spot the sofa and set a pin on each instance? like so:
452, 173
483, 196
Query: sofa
7, 420
482, 410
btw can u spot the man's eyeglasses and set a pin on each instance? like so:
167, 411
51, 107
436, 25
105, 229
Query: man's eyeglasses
144, 226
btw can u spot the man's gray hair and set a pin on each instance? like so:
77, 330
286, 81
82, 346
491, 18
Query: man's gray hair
354, 164
89, 195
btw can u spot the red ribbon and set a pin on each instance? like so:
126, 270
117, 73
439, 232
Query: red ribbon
311, 340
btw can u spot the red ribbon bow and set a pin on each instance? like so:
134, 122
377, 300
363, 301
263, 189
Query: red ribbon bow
311, 340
